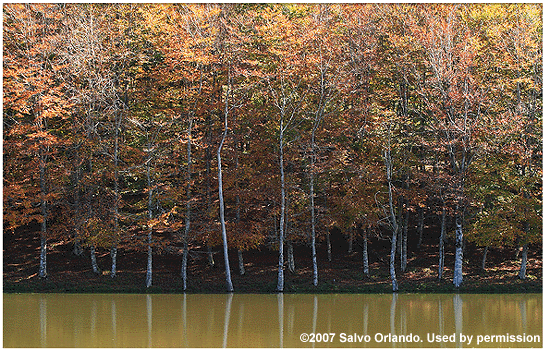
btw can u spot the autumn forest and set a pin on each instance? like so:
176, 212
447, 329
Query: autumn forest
190, 129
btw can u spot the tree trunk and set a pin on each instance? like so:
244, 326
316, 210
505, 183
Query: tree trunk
365, 252
312, 208
441, 246
280, 269
238, 199
393, 221
350, 242
95, 268
228, 281
241, 262
405, 228
187, 228
523, 269
420, 227
399, 218
484, 259
77, 248
149, 276
184, 265
116, 234
457, 276
395, 287
42, 272
184, 257
210, 256
90, 189
114, 252
222, 206
329, 247
313, 146
290, 257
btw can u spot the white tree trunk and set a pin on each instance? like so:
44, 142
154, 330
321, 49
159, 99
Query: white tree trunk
280, 269
457, 276
149, 275
220, 195
184, 265
42, 272
395, 287
95, 268
114, 252
222, 217
441, 246
366, 253
393, 220
312, 208
523, 269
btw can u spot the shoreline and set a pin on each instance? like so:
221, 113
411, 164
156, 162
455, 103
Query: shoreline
68, 273
122, 285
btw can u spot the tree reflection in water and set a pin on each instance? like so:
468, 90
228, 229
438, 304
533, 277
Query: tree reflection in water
43, 308
184, 320
281, 316
392, 315
241, 320
228, 303
149, 307
457, 304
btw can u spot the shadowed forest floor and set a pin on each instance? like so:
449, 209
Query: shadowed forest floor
70, 273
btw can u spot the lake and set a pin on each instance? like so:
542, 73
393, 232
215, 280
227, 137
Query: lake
272, 320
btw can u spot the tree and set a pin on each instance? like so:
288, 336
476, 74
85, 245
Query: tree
35, 110
360, 119
515, 49
454, 100
323, 65
97, 75
186, 60
287, 94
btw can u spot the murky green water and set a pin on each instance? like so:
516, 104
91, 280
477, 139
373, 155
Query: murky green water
235, 320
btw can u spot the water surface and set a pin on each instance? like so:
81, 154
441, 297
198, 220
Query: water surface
248, 320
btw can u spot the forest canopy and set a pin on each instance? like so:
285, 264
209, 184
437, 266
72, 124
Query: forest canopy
246, 126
